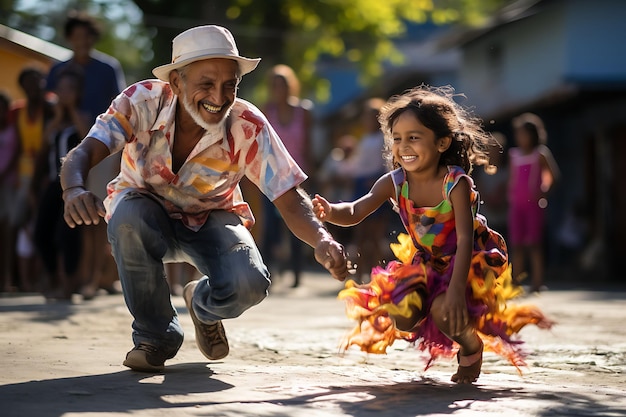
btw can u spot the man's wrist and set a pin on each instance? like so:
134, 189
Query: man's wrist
73, 186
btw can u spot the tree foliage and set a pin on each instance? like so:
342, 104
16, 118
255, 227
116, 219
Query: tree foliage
300, 33
303, 33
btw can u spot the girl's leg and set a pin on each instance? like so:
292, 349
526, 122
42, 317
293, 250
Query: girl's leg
407, 324
471, 347
535, 247
518, 232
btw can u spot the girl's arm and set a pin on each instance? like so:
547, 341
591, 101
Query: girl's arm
455, 307
549, 167
351, 213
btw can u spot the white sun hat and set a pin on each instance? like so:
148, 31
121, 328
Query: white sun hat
204, 42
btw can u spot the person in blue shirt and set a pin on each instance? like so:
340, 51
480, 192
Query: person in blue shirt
103, 75
103, 81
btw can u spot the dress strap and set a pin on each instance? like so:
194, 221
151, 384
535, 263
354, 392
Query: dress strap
452, 178
398, 177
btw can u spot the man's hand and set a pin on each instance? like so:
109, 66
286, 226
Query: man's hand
331, 255
81, 207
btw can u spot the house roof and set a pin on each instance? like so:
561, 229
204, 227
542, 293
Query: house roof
32, 43
517, 10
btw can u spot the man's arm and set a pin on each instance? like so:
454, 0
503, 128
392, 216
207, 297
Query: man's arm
81, 206
296, 209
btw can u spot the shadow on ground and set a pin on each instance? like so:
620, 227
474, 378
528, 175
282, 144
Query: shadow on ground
193, 385
119, 392
428, 397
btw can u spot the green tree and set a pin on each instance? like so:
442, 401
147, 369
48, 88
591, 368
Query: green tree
359, 33
300, 33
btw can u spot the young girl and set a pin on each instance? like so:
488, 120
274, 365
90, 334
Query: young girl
452, 279
532, 174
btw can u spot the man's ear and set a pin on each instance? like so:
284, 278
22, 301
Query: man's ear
175, 81
444, 144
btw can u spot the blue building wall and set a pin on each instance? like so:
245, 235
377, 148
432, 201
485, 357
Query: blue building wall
515, 63
596, 48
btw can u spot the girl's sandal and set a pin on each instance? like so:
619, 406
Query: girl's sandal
469, 367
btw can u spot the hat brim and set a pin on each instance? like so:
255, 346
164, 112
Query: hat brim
246, 65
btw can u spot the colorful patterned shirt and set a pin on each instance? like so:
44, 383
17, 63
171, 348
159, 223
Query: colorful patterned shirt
141, 121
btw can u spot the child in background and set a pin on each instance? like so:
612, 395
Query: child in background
452, 280
532, 174
31, 115
59, 245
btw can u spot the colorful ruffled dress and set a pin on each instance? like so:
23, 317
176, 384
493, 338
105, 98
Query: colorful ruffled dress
423, 271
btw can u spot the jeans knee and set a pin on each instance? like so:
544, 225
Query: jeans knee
241, 293
258, 288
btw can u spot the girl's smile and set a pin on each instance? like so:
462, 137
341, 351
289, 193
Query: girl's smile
415, 147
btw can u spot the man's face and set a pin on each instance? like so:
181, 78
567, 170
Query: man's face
207, 89
81, 40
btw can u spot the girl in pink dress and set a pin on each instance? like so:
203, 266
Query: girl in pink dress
291, 118
532, 173
449, 287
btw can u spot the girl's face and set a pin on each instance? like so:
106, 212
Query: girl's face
279, 89
415, 146
523, 139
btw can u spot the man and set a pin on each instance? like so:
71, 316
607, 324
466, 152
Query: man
187, 140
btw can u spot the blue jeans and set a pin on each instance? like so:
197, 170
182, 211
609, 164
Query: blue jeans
143, 237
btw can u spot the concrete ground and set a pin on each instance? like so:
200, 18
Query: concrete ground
65, 359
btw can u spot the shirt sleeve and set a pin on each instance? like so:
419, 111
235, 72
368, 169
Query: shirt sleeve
130, 112
268, 164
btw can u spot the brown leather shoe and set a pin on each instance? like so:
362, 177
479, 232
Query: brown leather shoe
210, 337
145, 358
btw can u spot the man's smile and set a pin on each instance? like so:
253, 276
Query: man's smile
212, 109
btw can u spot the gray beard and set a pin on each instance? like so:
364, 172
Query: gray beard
209, 127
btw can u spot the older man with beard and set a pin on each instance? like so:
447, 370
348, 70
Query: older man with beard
187, 141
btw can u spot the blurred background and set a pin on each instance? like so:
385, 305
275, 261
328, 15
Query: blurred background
564, 60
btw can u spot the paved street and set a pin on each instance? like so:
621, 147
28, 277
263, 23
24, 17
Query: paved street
64, 359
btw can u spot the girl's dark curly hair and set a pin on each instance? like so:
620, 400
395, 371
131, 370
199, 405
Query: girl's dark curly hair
436, 109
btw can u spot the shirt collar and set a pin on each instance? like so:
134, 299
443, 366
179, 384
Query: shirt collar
165, 119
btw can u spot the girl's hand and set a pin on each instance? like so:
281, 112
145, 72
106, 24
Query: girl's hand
454, 310
321, 207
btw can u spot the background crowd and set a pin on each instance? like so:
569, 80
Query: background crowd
39, 253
